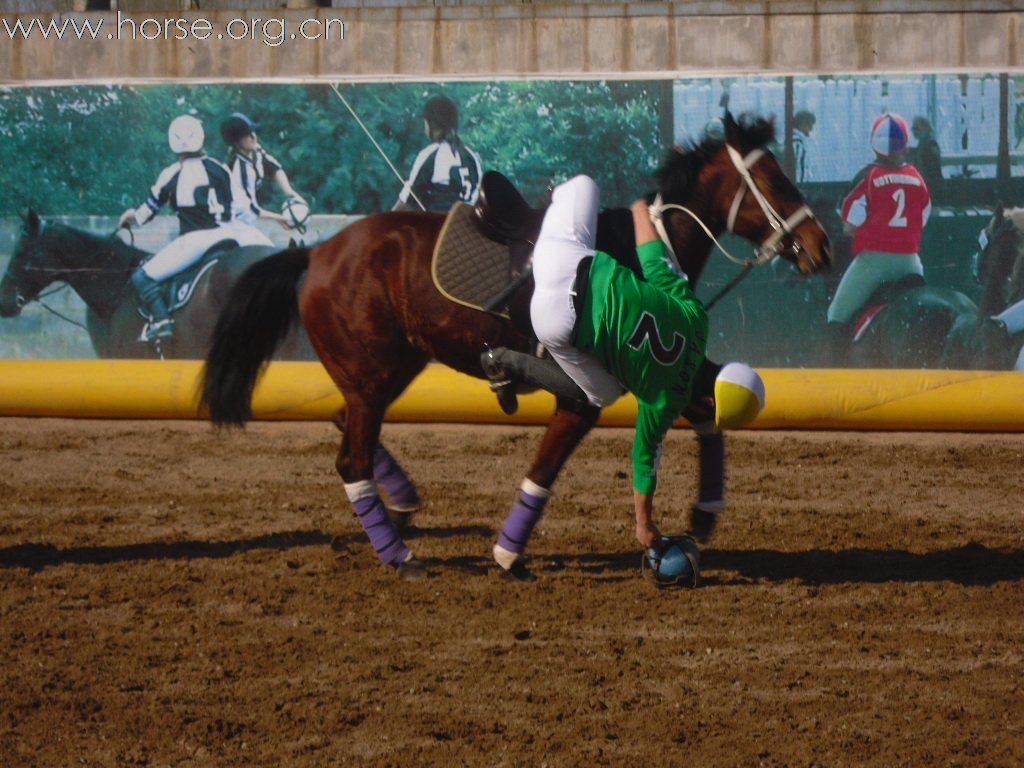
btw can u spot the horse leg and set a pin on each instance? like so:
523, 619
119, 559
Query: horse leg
355, 465
402, 497
711, 487
567, 428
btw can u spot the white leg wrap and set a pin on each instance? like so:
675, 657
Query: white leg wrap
360, 490
533, 489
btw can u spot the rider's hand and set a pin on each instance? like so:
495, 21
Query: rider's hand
648, 535
640, 206
127, 219
647, 532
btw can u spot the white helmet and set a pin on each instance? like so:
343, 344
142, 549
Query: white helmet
185, 134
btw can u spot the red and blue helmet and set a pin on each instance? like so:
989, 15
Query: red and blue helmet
889, 135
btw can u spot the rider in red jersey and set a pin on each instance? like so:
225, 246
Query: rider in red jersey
886, 210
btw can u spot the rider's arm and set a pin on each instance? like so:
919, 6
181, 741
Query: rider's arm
420, 175
659, 270
159, 194
651, 426
854, 209
647, 532
281, 179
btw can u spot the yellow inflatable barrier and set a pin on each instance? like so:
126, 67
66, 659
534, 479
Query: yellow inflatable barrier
796, 398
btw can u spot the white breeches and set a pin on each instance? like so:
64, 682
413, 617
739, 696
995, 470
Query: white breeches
188, 249
868, 271
567, 237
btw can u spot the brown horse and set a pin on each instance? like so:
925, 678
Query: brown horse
1000, 270
375, 317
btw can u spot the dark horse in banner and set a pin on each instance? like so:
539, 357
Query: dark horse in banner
98, 269
999, 267
375, 317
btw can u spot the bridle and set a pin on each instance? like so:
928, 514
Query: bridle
781, 227
20, 300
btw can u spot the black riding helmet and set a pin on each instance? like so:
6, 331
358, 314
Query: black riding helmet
237, 127
441, 113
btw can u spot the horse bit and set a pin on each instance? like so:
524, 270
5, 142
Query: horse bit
781, 228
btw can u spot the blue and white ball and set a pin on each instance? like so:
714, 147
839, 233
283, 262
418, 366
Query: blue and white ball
675, 562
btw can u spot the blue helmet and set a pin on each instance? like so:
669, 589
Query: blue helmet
675, 561
237, 127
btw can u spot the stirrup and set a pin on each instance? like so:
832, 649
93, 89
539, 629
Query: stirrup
157, 329
500, 383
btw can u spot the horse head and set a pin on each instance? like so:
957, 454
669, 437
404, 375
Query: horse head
25, 276
736, 184
999, 262
999, 268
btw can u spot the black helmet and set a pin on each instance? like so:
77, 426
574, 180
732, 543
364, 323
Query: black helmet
237, 127
441, 113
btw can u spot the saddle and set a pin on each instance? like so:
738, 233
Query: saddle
483, 253
177, 291
883, 296
482, 257
503, 213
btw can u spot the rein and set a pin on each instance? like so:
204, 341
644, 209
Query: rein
21, 301
766, 251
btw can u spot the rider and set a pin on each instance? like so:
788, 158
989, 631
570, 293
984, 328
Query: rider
886, 209
252, 166
201, 192
610, 331
447, 170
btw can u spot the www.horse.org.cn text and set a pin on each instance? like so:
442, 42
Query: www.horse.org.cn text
272, 31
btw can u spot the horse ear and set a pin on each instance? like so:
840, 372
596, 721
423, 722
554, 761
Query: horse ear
731, 127
32, 223
997, 218
292, 243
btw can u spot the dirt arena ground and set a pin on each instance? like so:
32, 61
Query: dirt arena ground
170, 597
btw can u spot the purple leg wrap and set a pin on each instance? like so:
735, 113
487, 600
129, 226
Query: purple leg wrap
525, 513
392, 478
712, 466
389, 545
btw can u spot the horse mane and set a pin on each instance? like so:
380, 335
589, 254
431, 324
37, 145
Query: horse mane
678, 174
99, 242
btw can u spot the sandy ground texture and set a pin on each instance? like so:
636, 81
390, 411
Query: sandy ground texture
170, 597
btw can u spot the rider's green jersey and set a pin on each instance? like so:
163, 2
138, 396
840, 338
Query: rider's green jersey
652, 337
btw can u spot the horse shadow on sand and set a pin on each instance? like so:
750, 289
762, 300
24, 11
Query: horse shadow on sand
972, 564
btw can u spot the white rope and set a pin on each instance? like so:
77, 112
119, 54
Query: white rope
369, 135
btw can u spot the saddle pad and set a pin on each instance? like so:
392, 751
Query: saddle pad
178, 290
468, 268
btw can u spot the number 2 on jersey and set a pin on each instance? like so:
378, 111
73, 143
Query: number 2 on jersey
647, 329
898, 219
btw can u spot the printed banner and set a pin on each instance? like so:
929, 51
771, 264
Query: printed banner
913, 204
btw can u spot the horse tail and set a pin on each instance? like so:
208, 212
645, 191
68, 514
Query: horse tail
260, 311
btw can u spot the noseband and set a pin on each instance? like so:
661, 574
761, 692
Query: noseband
781, 228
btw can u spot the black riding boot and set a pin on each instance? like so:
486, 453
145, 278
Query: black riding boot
151, 300
836, 345
505, 368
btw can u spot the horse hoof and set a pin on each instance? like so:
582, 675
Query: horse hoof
411, 570
517, 573
702, 524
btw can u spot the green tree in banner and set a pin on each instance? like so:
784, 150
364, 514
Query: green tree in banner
97, 149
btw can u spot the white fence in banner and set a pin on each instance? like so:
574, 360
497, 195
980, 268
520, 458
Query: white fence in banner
963, 111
